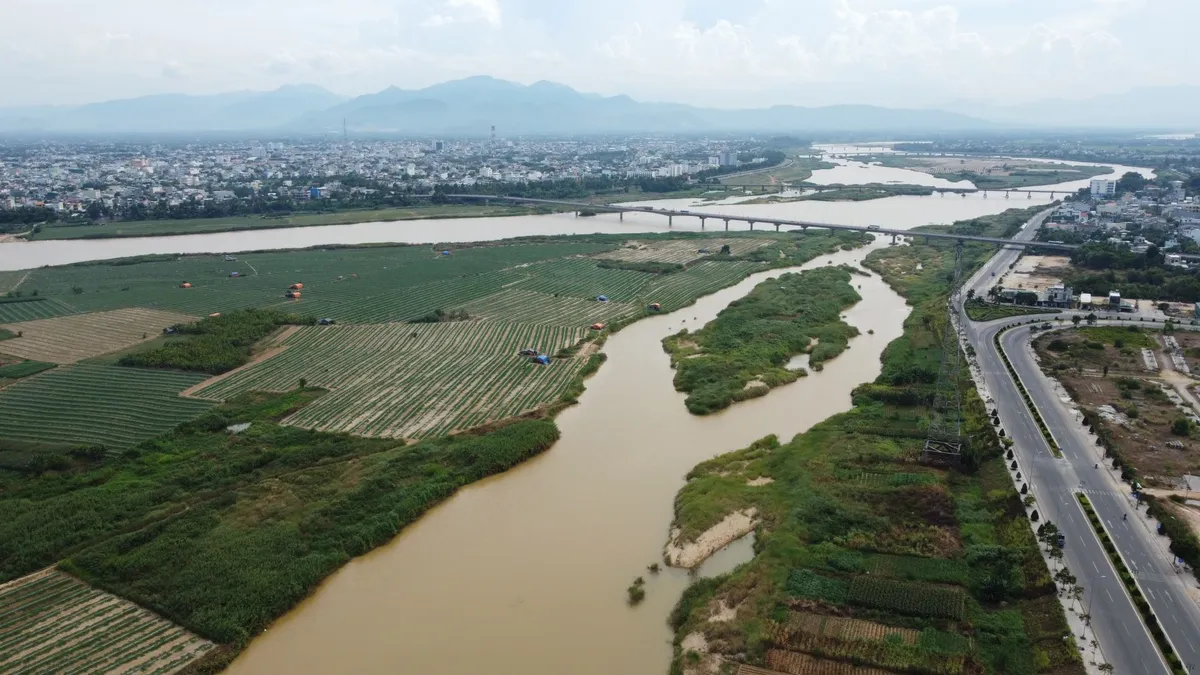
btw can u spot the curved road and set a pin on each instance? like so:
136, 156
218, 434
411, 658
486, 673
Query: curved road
1126, 643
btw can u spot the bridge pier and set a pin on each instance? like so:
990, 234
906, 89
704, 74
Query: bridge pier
894, 238
751, 225
726, 224
702, 219
1030, 195
621, 215
776, 227
670, 220
1051, 195
1006, 195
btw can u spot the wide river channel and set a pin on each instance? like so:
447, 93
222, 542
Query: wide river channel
526, 571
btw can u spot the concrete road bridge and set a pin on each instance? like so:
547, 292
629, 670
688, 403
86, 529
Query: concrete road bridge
803, 225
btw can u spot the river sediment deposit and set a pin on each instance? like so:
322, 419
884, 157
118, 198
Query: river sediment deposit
526, 571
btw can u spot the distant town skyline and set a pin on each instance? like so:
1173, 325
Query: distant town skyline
704, 52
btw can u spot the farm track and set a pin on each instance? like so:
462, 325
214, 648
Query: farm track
384, 382
51, 622
69, 339
85, 404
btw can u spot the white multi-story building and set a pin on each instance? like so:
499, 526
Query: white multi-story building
1103, 188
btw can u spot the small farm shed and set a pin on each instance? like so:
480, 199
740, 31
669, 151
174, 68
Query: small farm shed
542, 359
597, 326
185, 285
654, 306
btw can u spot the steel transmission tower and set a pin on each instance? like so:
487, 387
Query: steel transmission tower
944, 441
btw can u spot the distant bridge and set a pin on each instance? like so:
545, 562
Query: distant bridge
962, 192
803, 225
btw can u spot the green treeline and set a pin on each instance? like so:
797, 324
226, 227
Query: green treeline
217, 344
745, 350
223, 533
1144, 276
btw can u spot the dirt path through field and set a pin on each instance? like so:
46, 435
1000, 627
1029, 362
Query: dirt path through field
277, 349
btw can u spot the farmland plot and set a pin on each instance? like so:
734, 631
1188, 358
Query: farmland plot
353, 301
29, 308
542, 308
581, 278
796, 663
72, 338
106, 405
412, 380
51, 622
681, 251
677, 290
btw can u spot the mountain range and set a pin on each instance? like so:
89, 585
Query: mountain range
471, 106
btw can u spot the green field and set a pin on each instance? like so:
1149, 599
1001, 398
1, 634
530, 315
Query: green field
96, 405
798, 170
532, 307
52, 623
385, 382
31, 309
978, 310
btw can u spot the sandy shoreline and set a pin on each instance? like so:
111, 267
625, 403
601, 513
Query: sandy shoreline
689, 554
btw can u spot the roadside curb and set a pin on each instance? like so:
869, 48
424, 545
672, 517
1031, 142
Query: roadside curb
1129, 581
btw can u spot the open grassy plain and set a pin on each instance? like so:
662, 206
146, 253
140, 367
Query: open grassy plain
69, 339
53, 623
680, 251
866, 560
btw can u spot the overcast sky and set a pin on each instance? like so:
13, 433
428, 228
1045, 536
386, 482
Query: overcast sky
726, 53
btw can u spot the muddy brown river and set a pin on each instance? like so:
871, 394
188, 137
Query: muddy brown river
526, 571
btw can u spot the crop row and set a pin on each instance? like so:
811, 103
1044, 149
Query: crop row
15, 371
1131, 586
85, 404
1033, 409
581, 278
69, 339
895, 655
796, 663
413, 380
677, 290
350, 301
540, 308
41, 308
908, 598
916, 568
53, 623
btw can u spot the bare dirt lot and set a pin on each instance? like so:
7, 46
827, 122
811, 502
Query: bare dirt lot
1036, 272
67, 339
1140, 408
680, 252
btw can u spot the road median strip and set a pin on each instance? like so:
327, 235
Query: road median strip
1037, 415
1131, 587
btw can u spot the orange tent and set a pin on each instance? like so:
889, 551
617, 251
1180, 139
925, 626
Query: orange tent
296, 287
597, 326
185, 285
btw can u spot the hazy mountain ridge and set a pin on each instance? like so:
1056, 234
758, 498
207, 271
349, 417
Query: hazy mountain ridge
468, 107
1175, 108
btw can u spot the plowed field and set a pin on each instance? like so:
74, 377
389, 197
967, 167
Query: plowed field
69, 339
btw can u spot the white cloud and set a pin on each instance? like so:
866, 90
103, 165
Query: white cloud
710, 52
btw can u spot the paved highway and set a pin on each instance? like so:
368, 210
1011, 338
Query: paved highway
1123, 638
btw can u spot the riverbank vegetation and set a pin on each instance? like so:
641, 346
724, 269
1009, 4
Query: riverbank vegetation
222, 532
744, 352
217, 344
863, 554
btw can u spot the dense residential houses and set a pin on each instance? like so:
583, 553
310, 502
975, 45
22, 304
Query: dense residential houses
67, 178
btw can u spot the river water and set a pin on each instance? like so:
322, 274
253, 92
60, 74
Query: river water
895, 212
526, 571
